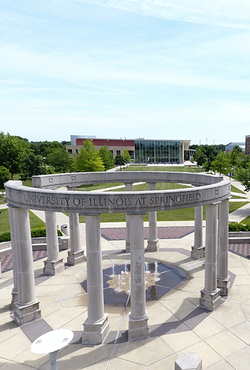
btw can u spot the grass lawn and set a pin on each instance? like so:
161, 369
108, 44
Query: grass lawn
35, 222
236, 190
185, 214
98, 186
164, 168
2, 198
246, 221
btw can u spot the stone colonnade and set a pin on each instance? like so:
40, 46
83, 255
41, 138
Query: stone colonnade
96, 327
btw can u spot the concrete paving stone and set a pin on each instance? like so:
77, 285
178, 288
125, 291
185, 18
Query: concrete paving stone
62, 279
242, 280
176, 294
8, 328
79, 301
11, 365
239, 293
205, 352
221, 365
5, 293
10, 350
180, 341
229, 314
4, 307
207, 328
144, 352
62, 318
225, 343
166, 363
77, 356
159, 313
31, 360
239, 270
179, 308
76, 324
242, 331
118, 363
246, 310
240, 360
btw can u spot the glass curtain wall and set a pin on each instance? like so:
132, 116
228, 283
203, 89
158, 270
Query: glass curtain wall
156, 151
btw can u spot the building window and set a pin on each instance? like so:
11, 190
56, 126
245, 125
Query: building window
70, 151
118, 152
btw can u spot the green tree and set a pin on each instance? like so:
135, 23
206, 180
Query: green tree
126, 156
4, 176
32, 165
243, 175
60, 159
235, 156
12, 150
88, 160
107, 157
200, 156
221, 163
119, 160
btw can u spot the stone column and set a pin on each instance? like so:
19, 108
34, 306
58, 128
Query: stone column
153, 241
138, 319
198, 250
54, 264
128, 187
26, 309
223, 279
76, 253
96, 327
14, 246
210, 295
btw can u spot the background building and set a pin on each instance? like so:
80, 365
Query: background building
140, 150
247, 144
229, 147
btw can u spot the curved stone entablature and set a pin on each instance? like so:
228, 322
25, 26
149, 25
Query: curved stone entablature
116, 202
89, 178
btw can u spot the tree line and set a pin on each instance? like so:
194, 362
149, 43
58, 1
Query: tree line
235, 164
20, 157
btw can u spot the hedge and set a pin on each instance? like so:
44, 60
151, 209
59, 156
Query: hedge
237, 226
35, 233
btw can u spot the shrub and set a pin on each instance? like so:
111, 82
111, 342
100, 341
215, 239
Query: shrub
237, 226
35, 233
5, 237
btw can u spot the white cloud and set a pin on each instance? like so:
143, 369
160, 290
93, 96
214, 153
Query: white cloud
226, 13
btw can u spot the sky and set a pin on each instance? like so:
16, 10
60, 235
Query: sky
153, 69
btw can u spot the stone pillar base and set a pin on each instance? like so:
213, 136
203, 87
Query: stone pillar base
14, 298
138, 329
210, 300
75, 257
53, 267
26, 313
127, 246
153, 245
223, 285
197, 253
95, 333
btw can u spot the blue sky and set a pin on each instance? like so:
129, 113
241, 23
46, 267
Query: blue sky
157, 69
